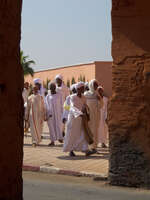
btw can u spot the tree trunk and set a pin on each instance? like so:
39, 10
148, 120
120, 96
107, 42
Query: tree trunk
129, 116
11, 104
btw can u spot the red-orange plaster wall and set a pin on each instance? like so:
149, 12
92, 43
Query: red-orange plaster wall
100, 70
87, 70
103, 73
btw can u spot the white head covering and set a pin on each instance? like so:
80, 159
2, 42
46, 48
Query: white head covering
42, 90
73, 86
91, 85
79, 85
59, 76
37, 80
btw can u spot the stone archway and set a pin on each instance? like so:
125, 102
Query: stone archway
129, 107
129, 116
11, 105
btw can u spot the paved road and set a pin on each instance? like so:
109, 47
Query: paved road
56, 187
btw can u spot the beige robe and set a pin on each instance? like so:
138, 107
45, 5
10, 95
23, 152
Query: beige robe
54, 109
103, 129
94, 105
64, 92
35, 114
25, 95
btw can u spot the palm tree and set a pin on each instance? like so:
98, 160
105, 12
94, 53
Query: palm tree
68, 83
26, 64
46, 83
73, 80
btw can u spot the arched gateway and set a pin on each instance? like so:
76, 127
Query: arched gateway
129, 110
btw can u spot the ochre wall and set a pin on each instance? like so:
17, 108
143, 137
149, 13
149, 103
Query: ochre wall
88, 70
97, 70
103, 73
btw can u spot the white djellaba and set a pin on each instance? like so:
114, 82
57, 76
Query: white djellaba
95, 104
54, 111
35, 114
74, 138
103, 128
63, 90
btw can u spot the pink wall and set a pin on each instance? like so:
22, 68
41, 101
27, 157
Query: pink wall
102, 71
87, 70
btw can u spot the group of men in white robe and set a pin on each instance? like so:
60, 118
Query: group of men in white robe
78, 119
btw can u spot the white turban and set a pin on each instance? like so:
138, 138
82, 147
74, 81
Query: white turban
79, 85
37, 80
42, 90
73, 86
91, 85
59, 76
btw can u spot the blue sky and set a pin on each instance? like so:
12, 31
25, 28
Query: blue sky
66, 32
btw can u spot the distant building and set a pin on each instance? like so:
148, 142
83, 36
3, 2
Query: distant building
100, 70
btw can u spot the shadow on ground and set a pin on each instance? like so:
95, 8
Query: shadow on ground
83, 157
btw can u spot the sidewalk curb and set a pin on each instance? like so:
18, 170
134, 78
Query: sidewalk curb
31, 168
55, 170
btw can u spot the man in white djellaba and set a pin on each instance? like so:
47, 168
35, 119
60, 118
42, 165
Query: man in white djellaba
95, 103
35, 114
63, 90
54, 111
103, 129
75, 136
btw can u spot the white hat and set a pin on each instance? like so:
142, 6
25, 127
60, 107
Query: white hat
79, 85
59, 76
37, 80
91, 85
73, 86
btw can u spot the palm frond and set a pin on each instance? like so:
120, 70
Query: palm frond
26, 64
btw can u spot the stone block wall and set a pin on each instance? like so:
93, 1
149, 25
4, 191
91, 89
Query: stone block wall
129, 109
11, 104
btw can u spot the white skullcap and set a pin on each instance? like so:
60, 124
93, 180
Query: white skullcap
59, 76
79, 85
37, 80
91, 84
73, 86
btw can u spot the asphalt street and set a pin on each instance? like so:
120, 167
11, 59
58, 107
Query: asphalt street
38, 186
